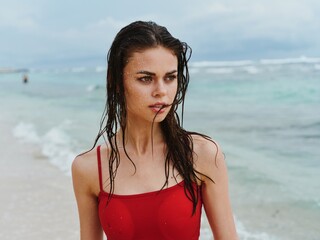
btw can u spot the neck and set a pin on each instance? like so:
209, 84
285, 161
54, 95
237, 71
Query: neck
141, 138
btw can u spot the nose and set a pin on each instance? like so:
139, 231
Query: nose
159, 89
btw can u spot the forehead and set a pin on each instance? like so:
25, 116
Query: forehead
152, 59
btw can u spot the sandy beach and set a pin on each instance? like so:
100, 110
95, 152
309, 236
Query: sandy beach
37, 200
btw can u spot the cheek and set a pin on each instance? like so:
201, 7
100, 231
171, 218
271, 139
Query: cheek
173, 90
135, 99
135, 93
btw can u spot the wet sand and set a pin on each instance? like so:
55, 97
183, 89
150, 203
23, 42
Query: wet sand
36, 199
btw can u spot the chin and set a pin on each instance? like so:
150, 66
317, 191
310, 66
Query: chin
159, 119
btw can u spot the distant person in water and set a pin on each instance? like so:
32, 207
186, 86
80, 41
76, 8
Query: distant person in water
25, 78
151, 177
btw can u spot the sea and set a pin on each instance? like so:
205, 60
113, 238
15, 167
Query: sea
265, 114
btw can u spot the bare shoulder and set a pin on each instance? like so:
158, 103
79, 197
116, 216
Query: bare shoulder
84, 162
206, 149
208, 156
85, 171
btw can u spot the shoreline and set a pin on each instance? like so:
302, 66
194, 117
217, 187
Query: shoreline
37, 201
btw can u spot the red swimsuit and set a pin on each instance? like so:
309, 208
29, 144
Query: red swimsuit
157, 215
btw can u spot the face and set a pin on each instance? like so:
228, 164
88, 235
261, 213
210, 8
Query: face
150, 83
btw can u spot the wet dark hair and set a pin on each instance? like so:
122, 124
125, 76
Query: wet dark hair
139, 36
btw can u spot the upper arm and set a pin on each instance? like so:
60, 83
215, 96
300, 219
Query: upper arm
215, 194
87, 202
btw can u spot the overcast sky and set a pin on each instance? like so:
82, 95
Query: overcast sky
50, 33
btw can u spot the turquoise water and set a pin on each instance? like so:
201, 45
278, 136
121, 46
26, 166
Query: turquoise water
265, 115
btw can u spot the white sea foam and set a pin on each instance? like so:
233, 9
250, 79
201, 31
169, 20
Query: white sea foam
222, 63
317, 66
57, 147
220, 70
280, 61
251, 69
193, 70
55, 144
251, 66
100, 69
92, 87
26, 132
244, 234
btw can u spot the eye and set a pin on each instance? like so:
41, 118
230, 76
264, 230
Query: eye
145, 79
171, 78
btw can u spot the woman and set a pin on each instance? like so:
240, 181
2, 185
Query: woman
151, 177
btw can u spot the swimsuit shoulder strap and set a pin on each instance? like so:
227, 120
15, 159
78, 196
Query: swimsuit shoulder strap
99, 167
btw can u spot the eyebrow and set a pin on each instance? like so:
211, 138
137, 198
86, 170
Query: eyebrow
153, 74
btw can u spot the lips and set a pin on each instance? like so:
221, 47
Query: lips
158, 107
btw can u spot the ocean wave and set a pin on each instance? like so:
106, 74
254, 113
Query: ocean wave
220, 70
251, 69
57, 148
244, 234
221, 63
194, 70
251, 65
282, 61
92, 87
302, 64
55, 144
100, 69
78, 69
26, 132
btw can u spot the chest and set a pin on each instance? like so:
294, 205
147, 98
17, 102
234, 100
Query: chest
165, 214
143, 175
